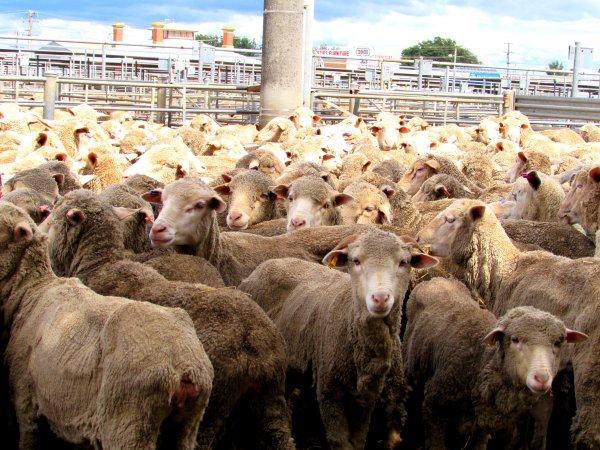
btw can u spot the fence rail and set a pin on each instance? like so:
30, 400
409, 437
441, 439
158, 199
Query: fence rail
174, 103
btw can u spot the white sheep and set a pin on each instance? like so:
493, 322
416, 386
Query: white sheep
342, 330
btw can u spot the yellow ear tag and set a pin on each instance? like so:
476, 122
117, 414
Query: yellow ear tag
226, 184
333, 262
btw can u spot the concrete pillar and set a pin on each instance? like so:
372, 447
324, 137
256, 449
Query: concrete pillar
228, 37
158, 32
282, 52
307, 67
576, 63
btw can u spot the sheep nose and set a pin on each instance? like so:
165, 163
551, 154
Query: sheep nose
542, 377
157, 228
380, 299
298, 223
235, 216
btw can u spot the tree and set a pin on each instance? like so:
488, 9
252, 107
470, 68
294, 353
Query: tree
555, 65
238, 41
440, 49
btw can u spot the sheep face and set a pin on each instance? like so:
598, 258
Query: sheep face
518, 167
250, 200
532, 340
310, 202
388, 133
458, 219
487, 131
16, 228
421, 171
580, 204
185, 204
379, 264
369, 205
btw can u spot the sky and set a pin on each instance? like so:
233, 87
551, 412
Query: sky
528, 34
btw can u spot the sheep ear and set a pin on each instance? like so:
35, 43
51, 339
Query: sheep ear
22, 232
494, 336
223, 189
384, 215
574, 337
366, 166
476, 213
217, 204
226, 178
404, 130
375, 129
595, 174
253, 164
434, 164
442, 190
93, 159
522, 157
153, 196
422, 261
388, 191
183, 170
44, 211
59, 178
61, 157
341, 199
123, 213
75, 216
336, 258
534, 180
281, 191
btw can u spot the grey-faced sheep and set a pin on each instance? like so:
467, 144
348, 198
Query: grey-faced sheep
245, 348
311, 202
264, 161
471, 391
106, 371
342, 330
472, 238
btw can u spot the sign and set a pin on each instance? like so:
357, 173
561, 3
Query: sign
585, 56
363, 51
331, 52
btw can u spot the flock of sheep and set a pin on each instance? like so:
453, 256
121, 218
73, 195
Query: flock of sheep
389, 284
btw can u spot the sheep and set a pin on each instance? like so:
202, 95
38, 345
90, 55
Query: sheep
70, 180
33, 141
527, 161
37, 205
563, 135
440, 186
278, 129
470, 236
193, 138
310, 202
104, 370
536, 196
488, 130
580, 204
481, 169
166, 162
135, 141
390, 169
425, 167
40, 179
245, 348
388, 133
471, 391
304, 117
188, 222
205, 123
342, 330
590, 132
250, 199
369, 205
302, 168
105, 168
263, 160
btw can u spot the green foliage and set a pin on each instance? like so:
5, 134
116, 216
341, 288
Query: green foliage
440, 49
238, 41
555, 65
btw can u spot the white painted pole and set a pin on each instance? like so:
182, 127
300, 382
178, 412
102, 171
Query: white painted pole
307, 65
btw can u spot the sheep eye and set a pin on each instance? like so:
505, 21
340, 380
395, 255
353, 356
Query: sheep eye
355, 261
290, 198
450, 219
514, 339
370, 208
270, 166
200, 205
325, 206
403, 262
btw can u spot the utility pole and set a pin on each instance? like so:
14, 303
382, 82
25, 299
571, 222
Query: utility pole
30, 14
454, 70
508, 65
575, 89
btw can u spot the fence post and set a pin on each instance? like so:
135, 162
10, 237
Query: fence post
50, 95
508, 103
161, 102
